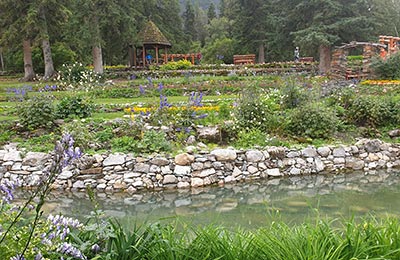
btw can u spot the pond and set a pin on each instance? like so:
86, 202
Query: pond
250, 204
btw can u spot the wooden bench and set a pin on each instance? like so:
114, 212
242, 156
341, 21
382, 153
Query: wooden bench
306, 59
244, 59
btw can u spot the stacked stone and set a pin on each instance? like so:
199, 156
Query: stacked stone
339, 64
116, 172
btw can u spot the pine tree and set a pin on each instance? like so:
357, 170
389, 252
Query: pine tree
189, 21
211, 14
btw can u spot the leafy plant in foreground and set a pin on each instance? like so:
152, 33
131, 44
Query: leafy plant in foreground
38, 238
37, 112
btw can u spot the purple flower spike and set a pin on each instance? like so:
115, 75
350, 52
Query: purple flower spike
141, 89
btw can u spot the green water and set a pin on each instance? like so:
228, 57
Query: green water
250, 204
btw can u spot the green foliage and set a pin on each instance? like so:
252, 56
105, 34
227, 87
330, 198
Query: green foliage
313, 120
84, 138
74, 106
37, 112
152, 141
373, 111
77, 76
293, 95
219, 51
177, 65
251, 138
126, 144
387, 69
43, 143
256, 109
334, 240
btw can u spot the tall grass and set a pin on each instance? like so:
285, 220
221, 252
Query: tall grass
321, 240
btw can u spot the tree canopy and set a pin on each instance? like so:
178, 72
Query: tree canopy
76, 29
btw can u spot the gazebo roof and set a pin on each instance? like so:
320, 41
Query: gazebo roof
151, 35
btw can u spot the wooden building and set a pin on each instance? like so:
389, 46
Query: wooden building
150, 38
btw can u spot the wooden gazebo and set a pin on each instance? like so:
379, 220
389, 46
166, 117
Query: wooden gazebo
150, 38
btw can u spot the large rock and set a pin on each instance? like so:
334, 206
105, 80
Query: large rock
65, 175
184, 159
224, 154
324, 151
170, 179
339, 152
35, 158
309, 152
254, 156
13, 155
159, 161
394, 133
114, 159
142, 167
373, 146
274, 172
209, 133
182, 170
197, 182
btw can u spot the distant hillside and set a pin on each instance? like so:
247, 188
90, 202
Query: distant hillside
203, 3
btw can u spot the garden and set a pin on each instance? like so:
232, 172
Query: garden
164, 111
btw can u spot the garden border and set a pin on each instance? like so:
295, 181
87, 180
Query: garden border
124, 172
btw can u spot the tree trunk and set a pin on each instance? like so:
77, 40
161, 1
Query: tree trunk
28, 65
324, 59
1, 59
48, 60
97, 59
261, 53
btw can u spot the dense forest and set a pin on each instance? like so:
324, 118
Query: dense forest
39, 35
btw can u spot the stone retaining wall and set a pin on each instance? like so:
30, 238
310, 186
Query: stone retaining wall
116, 172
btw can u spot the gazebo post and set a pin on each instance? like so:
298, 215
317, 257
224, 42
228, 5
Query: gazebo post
135, 57
144, 56
157, 55
166, 55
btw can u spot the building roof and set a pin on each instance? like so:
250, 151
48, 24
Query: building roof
151, 35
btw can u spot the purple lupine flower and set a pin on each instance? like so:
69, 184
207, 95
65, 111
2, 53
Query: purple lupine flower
39, 257
7, 187
195, 99
164, 102
132, 77
70, 250
202, 116
18, 257
150, 80
141, 89
160, 87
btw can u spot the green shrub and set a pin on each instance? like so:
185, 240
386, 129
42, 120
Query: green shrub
387, 69
84, 138
152, 141
313, 120
251, 138
177, 65
255, 109
37, 112
74, 106
372, 111
77, 76
292, 95
126, 144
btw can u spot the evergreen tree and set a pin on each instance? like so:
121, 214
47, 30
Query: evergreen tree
16, 28
324, 23
211, 14
189, 21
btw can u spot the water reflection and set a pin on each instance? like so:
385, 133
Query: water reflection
249, 205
